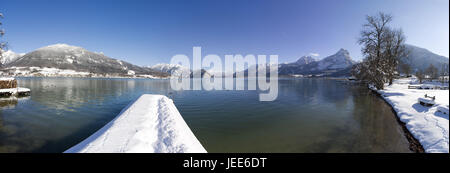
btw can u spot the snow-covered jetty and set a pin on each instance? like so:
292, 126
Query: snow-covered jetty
8, 87
151, 124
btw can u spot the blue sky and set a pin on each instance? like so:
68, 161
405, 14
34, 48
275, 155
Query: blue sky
150, 32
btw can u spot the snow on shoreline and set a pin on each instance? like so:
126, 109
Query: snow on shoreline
6, 78
14, 90
428, 125
55, 72
151, 124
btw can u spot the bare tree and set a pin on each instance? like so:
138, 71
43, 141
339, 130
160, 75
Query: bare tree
405, 68
360, 71
443, 73
2, 43
444, 70
382, 48
432, 72
394, 48
420, 75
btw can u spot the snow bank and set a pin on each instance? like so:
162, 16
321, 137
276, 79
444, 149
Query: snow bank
14, 90
426, 124
443, 109
45, 71
56, 72
151, 124
6, 78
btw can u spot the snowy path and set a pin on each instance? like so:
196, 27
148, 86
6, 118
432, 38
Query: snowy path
151, 124
426, 124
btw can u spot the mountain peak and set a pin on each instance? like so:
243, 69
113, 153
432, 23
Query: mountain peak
60, 46
343, 51
9, 56
305, 60
66, 57
174, 69
339, 60
341, 54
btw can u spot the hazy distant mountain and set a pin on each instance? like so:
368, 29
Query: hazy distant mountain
9, 56
173, 69
420, 58
66, 57
202, 72
305, 60
336, 62
177, 70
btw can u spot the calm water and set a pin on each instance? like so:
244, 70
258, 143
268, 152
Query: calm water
309, 115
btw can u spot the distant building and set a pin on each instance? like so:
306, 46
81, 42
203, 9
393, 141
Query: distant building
131, 72
443, 79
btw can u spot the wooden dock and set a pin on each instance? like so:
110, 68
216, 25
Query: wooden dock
8, 88
7, 92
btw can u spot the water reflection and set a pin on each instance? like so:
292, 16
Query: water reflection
309, 115
11, 102
371, 127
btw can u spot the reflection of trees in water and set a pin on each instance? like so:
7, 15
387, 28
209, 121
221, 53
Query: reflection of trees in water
11, 102
66, 93
377, 123
14, 139
371, 126
9, 131
8, 103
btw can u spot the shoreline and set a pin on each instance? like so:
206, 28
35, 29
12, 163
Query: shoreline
414, 144
87, 77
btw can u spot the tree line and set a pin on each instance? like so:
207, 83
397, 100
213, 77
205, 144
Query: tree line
382, 48
2, 32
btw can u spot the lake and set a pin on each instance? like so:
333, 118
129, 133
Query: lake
309, 115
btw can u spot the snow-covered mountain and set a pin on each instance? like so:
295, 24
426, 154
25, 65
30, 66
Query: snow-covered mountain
307, 65
420, 58
178, 70
173, 69
77, 59
305, 60
340, 60
259, 67
9, 56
